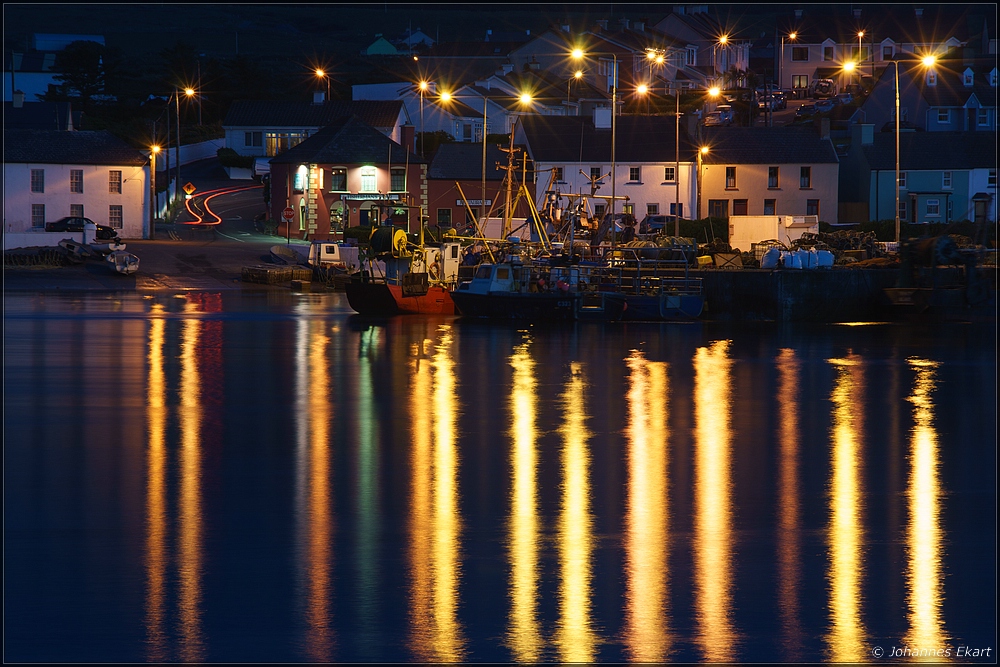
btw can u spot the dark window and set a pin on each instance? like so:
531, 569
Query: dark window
76, 181
800, 54
730, 178
398, 183
634, 174
805, 177
115, 182
718, 208
827, 53
444, 217
812, 207
769, 207
38, 180
739, 207
772, 177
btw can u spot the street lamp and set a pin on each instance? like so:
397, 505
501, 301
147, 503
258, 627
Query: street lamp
655, 55
153, 150
578, 54
927, 62
423, 85
321, 74
701, 152
577, 75
781, 59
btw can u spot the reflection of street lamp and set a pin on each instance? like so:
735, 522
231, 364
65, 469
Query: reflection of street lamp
578, 54
927, 62
701, 152
153, 150
324, 75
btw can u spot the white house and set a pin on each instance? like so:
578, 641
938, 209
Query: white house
50, 174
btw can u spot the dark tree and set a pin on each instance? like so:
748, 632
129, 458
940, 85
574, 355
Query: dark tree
84, 71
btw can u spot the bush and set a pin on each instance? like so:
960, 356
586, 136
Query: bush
230, 158
362, 234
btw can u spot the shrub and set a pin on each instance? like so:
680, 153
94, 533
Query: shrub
230, 158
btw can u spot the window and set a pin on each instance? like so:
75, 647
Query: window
887, 53
38, 215
739, 207
253, 139
398, 183
983, 117
934, 207
114, 182
859, 56
599, 211
595, 173
800, 81
634, 174
718, 208
812, 207
444, 217
946, 180
944, 115
338, 179
299, 180
800, 54
277, 142
115, 216
652, 209
805, 177
557, 174
76, 210
902, 209
38, 180
730, 178
368, 179
628, 209
668, 174
772, 177
76, 181
991, 178
902, 180
769, 207
828, 53
967, 78
467, 132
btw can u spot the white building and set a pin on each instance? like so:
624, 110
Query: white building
51, 174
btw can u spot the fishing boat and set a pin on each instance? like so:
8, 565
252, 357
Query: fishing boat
538, 291
123, 262
654, 280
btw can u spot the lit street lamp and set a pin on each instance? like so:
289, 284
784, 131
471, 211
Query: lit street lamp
781, 59
153, 150
927, 62
423, 85
177, 99
322, 74
701, 152
655, 55
578, 54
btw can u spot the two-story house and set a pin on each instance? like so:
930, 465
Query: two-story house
457, 190
769, 171
704, 48
943, 176
266, 128
572, 156
344, 175
954, 94
51, 174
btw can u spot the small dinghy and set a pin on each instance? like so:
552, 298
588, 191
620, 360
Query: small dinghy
123, 262
75, 250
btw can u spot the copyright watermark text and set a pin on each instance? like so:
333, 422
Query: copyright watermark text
940, 652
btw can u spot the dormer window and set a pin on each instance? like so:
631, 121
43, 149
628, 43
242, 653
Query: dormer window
931, 78
993, 78
967, 78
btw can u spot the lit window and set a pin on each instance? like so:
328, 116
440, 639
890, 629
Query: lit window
38, 215
76, 181
800, 81
115, 216
115, 182
368, 179
805, 177
730, 178
38, 180
772, 177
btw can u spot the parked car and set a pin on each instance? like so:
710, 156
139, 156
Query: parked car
805, 111
715, 119
845, 98
74, 224
654, 224
780, 100
822, 106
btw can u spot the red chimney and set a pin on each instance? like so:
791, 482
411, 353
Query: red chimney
408, 133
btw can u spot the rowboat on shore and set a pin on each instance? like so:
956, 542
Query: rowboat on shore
123, 262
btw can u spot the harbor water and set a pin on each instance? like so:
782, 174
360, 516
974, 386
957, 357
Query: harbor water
263, 476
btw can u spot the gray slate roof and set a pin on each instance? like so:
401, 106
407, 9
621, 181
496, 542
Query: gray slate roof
376, 113
572, 139
767, 145
55, 147
40, 116
464, 162
947, 151
347, 140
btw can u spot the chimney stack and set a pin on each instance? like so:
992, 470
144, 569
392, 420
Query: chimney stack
319, 97
408, 134
18, 99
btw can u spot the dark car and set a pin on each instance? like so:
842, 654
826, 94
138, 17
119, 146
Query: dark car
780, 100
656, 224
72, 224
805, 111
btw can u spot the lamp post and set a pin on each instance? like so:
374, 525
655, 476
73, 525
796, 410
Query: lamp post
322, 74
781, 59
643, 89
577, 75
702, 151
177, 98
927, 62
578, 53
482, 197
153, 150
423, 85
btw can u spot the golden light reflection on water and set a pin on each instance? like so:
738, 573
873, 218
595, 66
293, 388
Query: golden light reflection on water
524, 634
435, 550
314, 412
846, 636
575, 638
713, 532
157, 557
647, 519
190, 519
925, 539
789, 514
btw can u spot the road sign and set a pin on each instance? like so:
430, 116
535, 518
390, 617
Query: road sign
189, 188
287, 214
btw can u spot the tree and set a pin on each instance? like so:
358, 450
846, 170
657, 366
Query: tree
84, 69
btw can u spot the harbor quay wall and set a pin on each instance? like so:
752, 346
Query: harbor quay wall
820, 295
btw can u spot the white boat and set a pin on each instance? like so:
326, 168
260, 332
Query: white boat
105, 248
123, 262
76, 251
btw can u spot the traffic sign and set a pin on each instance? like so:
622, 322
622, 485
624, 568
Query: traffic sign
189, 188
287, 214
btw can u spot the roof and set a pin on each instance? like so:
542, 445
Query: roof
767, 145
347, 140
40, 116
933, 151
376, 113
570, 139
898, 22
464, 161
61, 147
